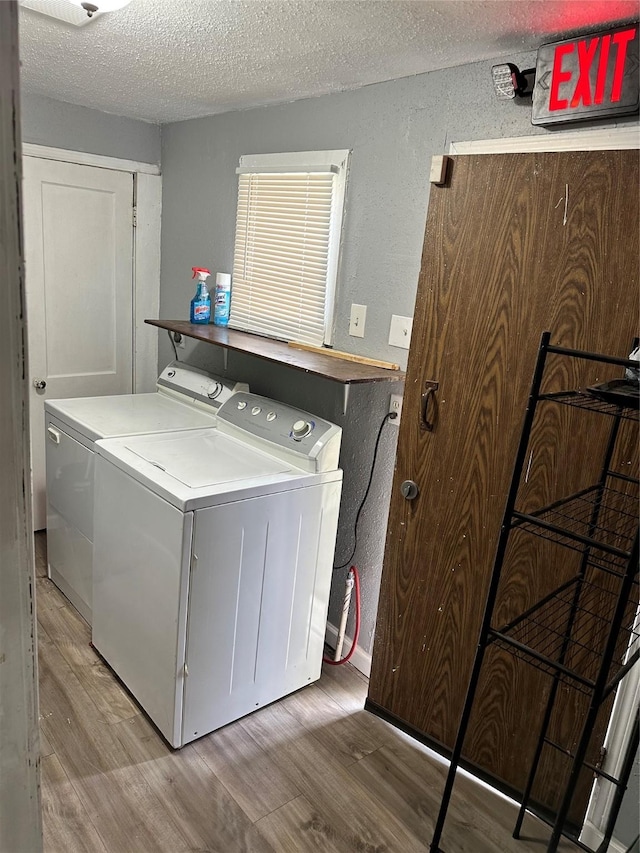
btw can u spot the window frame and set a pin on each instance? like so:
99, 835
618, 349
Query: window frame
336, 161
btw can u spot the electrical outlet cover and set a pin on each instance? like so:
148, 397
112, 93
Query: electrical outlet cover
395, 406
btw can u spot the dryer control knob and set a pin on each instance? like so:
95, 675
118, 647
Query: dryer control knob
242, 405
271, 416
300, 429
256, 410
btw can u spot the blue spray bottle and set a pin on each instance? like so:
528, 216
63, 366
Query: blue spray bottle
201, 302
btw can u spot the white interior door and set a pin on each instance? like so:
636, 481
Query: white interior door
78, 228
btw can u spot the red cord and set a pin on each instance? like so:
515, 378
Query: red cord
356, 634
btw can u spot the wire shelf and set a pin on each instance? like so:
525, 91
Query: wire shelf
565, 633
585, 634
583, 400
601, 519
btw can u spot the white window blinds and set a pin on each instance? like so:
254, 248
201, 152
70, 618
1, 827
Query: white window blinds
286, 248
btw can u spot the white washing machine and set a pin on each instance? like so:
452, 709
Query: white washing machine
213, 555
186, 398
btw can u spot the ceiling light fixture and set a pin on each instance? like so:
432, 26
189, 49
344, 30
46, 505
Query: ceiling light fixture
509, 81
76, 12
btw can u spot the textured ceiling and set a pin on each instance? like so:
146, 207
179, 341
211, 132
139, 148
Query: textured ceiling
167, 60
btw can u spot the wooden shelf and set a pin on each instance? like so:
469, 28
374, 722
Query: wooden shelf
336, 369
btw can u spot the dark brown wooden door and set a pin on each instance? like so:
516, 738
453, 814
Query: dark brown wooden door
514, 245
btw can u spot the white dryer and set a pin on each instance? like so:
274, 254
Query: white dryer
213, 555
186, 398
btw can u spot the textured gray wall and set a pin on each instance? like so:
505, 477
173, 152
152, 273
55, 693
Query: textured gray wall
393, 129
61, 125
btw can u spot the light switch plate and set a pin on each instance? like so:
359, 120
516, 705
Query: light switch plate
357, 320
400, 331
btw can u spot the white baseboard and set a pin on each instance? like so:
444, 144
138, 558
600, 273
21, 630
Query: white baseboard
592, 837
361, 660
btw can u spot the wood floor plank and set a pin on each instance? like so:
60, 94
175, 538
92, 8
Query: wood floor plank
197, 801
314, 771
345, 684
48, 596
246, 771
358, 818
72, 637
45, 746
40, 549
348, 736
299, 827
66, 824
126, 813
407, 780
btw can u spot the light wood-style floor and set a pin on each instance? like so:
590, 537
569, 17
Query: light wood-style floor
313, 772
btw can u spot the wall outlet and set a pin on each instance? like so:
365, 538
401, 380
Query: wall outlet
357, 320
178, 340
400, 331
395, 405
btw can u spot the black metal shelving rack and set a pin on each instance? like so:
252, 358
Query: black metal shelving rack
573, 635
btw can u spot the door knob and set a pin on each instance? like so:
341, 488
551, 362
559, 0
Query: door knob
409, 490
39, 384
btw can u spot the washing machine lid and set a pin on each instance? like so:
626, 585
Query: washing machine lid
203, 468
128, 414
203, 460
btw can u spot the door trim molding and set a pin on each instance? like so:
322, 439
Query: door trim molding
83, 158
616, 743
146, 252
20, 816
593, 838
600, 139
146, 279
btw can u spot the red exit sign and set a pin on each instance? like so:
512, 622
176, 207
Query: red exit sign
590, 77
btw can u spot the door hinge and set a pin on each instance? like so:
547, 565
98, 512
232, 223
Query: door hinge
194, 561
186, 670
601, 759
134, 217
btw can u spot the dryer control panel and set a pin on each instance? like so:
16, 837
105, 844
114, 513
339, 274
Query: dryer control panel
184, 382
310, 442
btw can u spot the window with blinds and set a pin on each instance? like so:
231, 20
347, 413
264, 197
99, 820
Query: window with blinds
287, 243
